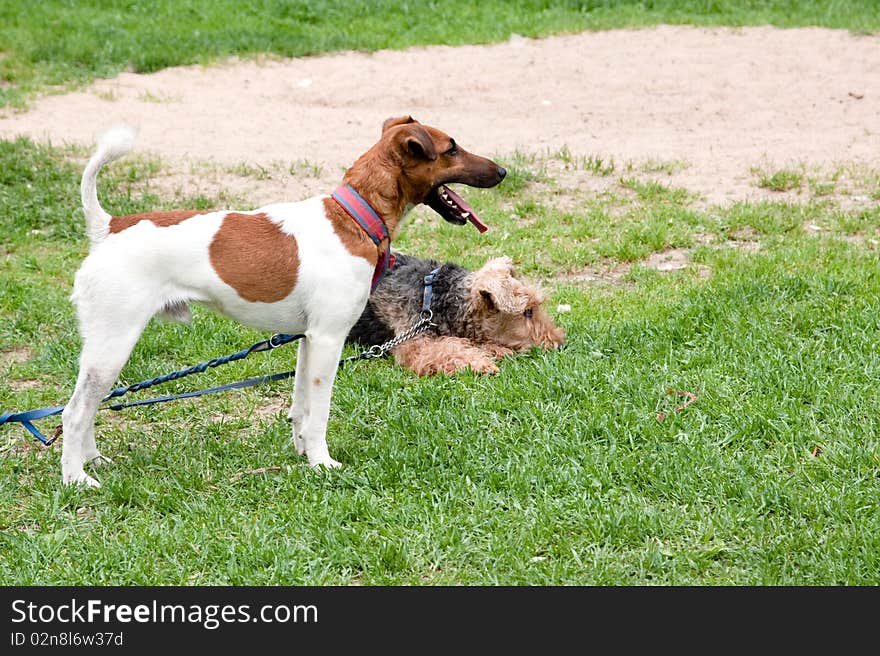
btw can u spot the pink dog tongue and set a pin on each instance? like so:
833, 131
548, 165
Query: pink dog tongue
479, 225
467, 211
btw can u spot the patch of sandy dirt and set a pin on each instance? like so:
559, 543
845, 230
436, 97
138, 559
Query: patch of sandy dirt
19, 384
668, 260
720, 100
15, 355
272, 408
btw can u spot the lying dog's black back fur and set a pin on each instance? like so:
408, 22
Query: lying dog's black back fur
401, 292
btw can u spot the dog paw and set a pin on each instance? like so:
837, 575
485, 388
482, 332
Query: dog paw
299, 444
99, 461
328, 463
484, 367
80, 479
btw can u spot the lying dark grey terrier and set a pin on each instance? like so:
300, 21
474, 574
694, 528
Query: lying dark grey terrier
480, 316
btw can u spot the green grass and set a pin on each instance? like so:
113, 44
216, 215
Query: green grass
849, 179
593, 163
781, 180
55, 43
555, 471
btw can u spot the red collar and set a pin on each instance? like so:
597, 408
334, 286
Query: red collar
370, 222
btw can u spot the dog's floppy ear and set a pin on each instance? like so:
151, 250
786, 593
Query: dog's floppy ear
414, 141
397, 120
497, 287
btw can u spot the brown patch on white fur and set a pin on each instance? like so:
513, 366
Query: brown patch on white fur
507, 313
252, 255
159, 219
351, 234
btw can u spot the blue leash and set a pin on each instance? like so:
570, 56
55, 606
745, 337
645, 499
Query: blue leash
26, 418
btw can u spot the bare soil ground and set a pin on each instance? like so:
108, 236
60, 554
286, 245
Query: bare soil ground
703, 109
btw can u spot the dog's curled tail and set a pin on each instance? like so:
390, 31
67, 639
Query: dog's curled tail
112, 144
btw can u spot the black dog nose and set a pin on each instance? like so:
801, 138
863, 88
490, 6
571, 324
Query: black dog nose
501, 172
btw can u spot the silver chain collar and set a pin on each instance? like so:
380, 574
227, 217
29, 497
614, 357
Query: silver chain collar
421, 325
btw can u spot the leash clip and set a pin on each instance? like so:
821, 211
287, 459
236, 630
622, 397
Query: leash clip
55, 436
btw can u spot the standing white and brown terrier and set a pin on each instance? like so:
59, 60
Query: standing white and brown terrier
299, 267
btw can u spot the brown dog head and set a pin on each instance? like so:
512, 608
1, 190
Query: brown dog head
412, 163
509, 312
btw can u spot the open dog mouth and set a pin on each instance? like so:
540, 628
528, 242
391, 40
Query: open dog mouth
453, 207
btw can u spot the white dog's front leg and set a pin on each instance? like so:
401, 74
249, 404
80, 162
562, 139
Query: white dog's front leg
323, 361
299, 407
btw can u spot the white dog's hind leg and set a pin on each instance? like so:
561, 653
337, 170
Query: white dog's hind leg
107, 343
78, 419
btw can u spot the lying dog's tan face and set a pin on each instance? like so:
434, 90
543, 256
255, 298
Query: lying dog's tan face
511, 313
